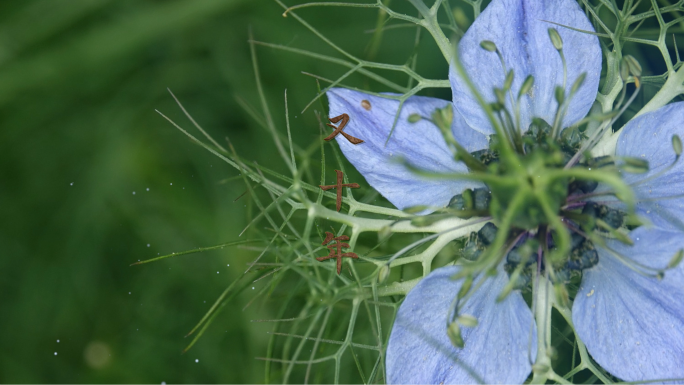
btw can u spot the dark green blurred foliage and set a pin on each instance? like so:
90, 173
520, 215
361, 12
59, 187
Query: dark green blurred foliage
81, 144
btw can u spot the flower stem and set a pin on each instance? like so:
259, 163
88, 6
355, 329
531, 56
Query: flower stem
430, 23
542, 316
673, 87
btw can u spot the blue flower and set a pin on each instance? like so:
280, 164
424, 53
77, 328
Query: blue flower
632, 324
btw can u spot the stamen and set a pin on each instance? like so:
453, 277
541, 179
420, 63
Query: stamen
633, 265
603, 128
433, 236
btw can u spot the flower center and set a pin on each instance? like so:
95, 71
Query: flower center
530, 197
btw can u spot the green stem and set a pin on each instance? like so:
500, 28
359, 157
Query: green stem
542, 316
673, 87
584, 355
430, 23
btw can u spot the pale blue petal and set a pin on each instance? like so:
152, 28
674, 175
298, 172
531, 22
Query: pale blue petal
421, 144
649, 137
519, 28
632, 325
498, 350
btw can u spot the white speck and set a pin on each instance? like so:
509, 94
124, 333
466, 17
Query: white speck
57, 341
71, 184
252, 287
55, 353
217, 272
205, 301
163, 383
196, 360
148, 189
148, 245
133, 192
170, 184
228, 264
129, 293
183, 188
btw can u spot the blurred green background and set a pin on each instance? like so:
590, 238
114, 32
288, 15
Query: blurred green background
93, 179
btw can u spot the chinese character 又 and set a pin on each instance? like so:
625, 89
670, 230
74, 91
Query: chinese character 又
329, 237
338, 186
338, 130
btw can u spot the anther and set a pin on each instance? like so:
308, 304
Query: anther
614, 218
487, 233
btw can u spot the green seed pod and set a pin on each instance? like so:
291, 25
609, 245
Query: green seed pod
555, 39
488, 45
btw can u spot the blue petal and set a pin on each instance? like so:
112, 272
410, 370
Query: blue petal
649, 137
632, 325
519, 28
421, 144
495, 351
